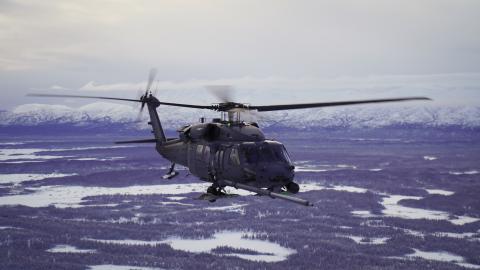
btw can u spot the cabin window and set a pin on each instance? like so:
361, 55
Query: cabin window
220, 158
234, 158
199, 151
207, 153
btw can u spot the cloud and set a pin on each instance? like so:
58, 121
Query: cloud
92, 86
58, 87
326, 50
444, 88
247, 37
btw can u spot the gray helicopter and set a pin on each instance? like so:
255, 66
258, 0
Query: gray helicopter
228, 151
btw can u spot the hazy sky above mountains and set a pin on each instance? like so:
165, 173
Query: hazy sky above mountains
268, 50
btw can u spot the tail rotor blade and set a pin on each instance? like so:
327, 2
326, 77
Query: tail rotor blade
151, 78
155, 91
139, 115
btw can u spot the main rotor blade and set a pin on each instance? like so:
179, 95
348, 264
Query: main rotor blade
329, 104
78, 96
209, 107
222, 92
125, 99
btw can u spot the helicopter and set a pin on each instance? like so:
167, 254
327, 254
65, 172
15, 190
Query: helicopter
227, 151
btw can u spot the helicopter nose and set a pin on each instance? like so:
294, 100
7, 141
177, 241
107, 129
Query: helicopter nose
278, 172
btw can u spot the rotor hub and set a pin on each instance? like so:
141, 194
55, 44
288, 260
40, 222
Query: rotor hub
230, 106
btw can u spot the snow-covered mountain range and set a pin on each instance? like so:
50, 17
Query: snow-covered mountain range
351, 117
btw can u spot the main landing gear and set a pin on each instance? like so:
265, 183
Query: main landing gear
171, 172
216, 190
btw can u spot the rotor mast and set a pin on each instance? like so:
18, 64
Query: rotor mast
231, 112
231, 117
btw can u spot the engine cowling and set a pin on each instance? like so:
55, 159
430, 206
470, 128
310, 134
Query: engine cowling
208, 132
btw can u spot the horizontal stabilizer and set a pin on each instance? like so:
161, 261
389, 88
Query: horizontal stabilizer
138, 141
144, 141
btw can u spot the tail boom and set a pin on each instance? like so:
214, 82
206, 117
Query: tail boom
157, 128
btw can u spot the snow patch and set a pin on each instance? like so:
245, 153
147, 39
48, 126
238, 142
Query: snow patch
304, 187
38, 153
96, 159
24, 177
22, 161
8, 228
305, 167
11, 143
471, 172
176, 198
72, 196
367, 240
26, 153
69, 249
392, 208
268, 251
466, 235
175, 203
238, 208
440, 192
119, 267
441, 256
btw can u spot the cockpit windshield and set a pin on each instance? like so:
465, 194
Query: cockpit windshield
265, 152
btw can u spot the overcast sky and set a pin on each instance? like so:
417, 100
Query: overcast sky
304, 50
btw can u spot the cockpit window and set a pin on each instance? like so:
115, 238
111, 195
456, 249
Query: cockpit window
265, 153
282, 153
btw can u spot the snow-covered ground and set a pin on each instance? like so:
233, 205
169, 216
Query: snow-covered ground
359, 188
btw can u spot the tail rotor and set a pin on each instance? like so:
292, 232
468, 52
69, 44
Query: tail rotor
148, 92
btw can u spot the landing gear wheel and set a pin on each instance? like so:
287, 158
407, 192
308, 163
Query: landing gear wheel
211, 190
217, 191
293, 187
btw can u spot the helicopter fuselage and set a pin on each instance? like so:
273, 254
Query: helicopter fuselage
236, 151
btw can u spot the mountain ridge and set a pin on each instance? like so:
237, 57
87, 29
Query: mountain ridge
105, 114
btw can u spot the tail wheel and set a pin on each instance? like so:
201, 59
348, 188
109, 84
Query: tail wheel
293, 187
